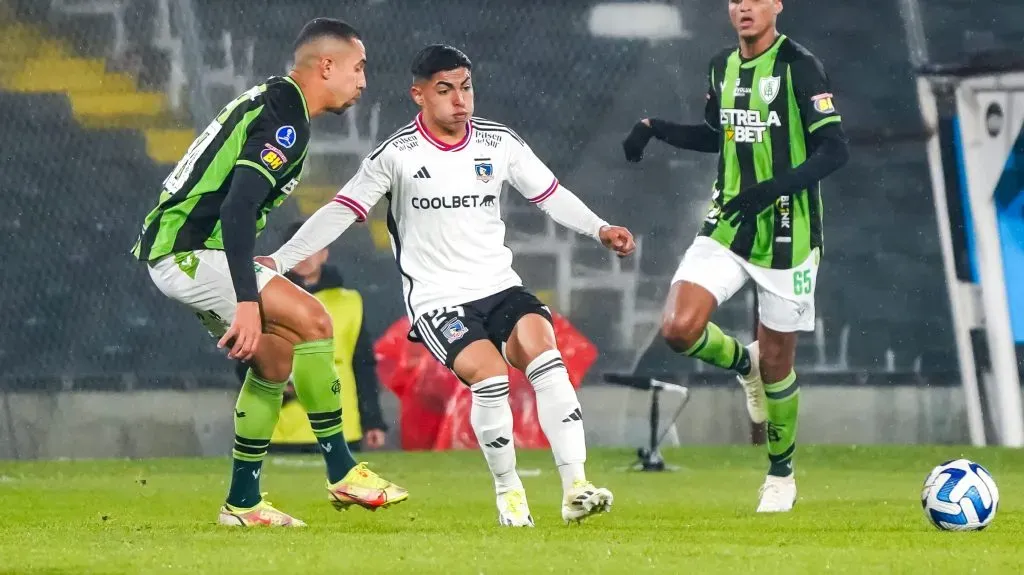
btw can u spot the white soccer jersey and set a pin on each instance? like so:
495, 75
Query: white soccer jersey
446, 229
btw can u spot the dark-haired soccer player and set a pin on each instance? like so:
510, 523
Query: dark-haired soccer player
772, 119
442, 175
198, 243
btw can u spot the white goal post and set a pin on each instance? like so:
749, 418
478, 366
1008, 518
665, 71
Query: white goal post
974, 114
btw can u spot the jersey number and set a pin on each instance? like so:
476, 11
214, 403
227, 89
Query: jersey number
802, 282
177, 178
438, 317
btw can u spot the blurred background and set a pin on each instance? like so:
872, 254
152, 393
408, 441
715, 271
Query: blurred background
99, 98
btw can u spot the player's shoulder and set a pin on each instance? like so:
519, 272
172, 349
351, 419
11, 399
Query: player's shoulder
721, 57
798, 56
284, 96
487, 130
401, 140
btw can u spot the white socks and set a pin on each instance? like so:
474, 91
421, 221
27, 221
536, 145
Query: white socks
560, 417
491, 418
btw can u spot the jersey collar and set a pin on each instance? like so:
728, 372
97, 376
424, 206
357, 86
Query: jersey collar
438, 143
301, 95
754, 61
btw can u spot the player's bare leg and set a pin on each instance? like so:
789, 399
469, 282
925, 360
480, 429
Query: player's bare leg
481, 367
687, 329
778, 355
532, 349
297, 317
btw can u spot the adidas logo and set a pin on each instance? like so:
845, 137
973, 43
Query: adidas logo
576, 415
498, 443
423, 173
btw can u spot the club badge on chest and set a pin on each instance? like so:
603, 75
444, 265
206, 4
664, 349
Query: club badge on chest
484, 170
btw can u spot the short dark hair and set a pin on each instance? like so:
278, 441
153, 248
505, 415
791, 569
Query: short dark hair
438, 58
325, 27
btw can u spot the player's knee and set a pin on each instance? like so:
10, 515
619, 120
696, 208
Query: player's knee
316, 322
776, 358
682, 330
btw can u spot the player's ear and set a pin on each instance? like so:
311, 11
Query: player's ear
417, 94
326, 68
778, 7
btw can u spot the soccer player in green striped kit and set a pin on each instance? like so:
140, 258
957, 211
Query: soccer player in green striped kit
198, 243
771, 117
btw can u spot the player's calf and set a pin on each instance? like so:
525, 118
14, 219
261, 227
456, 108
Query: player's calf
687, 330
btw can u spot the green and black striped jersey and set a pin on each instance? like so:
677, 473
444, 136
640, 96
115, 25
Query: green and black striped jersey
265, 129
765, 110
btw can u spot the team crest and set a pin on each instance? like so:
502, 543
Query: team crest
484, 172
454, 330
768, 88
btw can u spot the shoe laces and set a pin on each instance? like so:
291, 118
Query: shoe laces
514, 501
771, 489
370, 478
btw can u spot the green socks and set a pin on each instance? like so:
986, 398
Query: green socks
783, 408
318, 389
256, 412
720, 350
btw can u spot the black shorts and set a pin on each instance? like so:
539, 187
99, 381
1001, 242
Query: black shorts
448, 331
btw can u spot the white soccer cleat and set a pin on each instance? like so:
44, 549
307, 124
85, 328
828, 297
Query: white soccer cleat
513, 511
753, 387
584, 500
778, 494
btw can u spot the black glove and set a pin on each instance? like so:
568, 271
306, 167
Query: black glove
749, 203
636, 141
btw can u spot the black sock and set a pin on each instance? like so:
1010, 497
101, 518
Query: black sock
245, 484
338, 458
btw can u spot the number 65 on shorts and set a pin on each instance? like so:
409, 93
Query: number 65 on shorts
785, 297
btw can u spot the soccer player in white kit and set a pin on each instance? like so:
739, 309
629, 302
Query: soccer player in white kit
442, 175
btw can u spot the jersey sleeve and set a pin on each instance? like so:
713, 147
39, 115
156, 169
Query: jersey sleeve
711, 105
367, 186
529, 175
813, 93
276, 139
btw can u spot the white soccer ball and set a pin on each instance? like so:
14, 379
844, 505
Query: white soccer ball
960, 495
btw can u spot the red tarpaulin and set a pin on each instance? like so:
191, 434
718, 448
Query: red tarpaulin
435, 404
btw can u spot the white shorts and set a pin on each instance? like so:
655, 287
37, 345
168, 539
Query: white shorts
785, 297
201, 280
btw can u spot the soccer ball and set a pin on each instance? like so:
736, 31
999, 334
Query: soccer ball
960, 495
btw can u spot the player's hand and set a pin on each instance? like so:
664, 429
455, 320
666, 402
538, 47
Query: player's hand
267, 261
748, 204
375, 438
618, 239
637, 139
244, 334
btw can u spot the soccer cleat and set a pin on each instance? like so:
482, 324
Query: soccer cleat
364, 488
513, 510
263, 514
753, 387
778, 494
584, 500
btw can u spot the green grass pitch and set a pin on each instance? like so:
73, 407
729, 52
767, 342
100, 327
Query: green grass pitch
858, 512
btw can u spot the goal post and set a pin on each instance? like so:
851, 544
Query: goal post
975, 113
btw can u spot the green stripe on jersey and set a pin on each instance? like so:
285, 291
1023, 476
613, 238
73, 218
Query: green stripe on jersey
762, 131
267, 129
